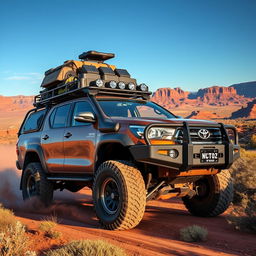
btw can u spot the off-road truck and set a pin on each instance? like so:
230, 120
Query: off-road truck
94, 126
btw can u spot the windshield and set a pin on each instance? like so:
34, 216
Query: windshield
130, 108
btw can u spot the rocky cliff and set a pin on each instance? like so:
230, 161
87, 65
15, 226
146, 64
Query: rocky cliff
247, 89
248, 112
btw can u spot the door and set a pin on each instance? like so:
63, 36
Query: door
52, 138
79, 142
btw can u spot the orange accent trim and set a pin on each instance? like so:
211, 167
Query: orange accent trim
168, 196
199, 172
163, 152
162, 142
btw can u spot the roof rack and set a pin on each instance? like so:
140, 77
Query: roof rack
73, 90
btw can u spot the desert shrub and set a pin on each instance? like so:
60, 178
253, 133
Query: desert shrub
87, 248
193, 233
243, 214
253, 141
7, 219
48, 227
12, 235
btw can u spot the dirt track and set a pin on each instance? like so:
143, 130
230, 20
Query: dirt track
157, 234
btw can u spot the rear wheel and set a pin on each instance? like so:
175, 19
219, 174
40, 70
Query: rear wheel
119, 195
214, 195
35, 184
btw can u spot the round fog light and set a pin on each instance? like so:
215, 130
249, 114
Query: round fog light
112, 84
131, 86
99, 83
121, 85
173, 153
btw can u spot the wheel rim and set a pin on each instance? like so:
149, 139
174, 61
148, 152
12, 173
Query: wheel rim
31, 186
110, 196
202, 187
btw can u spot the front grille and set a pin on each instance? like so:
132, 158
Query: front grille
214, 138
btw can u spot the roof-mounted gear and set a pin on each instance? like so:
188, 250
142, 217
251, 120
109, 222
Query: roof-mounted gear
96, 56
88, 77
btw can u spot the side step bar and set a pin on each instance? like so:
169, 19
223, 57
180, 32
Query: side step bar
62, 178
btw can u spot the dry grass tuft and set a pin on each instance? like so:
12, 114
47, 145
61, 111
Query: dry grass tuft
193, 233
48, 227
6, 219
13, 239
87, 248
243, 216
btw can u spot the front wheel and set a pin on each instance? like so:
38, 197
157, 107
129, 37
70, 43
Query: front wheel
119, 195
35, 185
214, 195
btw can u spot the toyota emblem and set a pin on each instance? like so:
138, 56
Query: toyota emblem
204, 134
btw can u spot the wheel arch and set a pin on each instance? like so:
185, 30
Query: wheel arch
112, 150
32, 155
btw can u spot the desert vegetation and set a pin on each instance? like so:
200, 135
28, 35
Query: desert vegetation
193, 233
87, 248
13, 239
48, 226
243, 214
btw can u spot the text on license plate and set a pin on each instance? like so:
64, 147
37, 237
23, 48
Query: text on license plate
209, 155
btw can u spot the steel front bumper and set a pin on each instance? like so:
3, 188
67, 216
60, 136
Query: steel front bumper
188, 154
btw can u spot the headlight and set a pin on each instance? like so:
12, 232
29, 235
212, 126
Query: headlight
121, 85
161, 133
137, 130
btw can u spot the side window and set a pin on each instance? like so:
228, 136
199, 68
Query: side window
51, 119
80, 107
60, 117
34, 121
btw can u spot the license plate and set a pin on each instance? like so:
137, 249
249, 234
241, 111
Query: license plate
209, 155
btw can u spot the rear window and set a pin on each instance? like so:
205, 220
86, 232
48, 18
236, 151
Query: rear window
34, 121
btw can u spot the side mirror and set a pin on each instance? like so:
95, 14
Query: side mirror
85, 117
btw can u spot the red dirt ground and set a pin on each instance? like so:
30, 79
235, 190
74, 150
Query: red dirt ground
157, 234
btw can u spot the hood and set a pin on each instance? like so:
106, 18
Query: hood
147, 121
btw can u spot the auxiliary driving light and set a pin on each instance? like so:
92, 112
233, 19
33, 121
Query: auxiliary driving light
99, 83
173, 153
143, 87
112, 84
121, 85
131, 86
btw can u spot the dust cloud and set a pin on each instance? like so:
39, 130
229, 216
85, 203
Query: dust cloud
66, 204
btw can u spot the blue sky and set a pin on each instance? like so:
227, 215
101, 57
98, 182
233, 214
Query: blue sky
164, 43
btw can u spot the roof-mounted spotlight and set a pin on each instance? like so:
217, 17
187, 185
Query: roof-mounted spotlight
121, 85
112, 84
131, 86
98, 83
143, 87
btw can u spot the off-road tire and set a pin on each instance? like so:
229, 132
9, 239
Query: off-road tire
43, 188
132, 195
216, 200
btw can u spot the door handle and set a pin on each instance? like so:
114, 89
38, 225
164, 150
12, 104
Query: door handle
46, 137
67, 135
